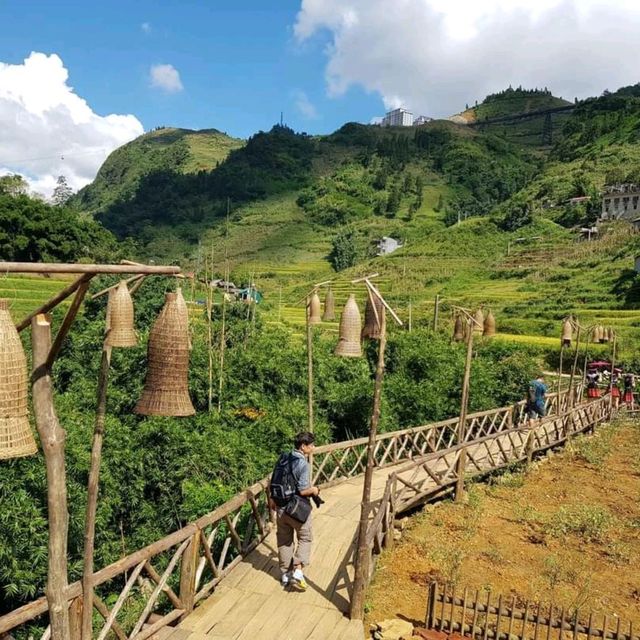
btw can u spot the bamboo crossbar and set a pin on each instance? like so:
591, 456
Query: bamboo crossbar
51, 267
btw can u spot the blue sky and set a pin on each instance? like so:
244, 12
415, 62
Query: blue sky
238, 62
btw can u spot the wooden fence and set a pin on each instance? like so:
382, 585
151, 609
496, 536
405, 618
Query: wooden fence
484, 615
163, 581
437, 472
334, 463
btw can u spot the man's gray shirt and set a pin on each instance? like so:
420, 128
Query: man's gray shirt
300, 470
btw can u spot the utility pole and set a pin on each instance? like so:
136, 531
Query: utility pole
436, 310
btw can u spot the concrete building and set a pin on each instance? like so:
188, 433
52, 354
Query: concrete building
621, 201
387, 245
421, 120
397, 118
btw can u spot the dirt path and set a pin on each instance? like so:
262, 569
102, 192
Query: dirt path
568, 529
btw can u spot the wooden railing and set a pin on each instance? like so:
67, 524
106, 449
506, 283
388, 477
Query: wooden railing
160, 584
437, 472
334, 463
485, 615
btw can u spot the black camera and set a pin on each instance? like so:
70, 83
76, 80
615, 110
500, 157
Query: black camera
317, 500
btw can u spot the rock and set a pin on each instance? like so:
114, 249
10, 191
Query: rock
394, 629
397, 535
429, 634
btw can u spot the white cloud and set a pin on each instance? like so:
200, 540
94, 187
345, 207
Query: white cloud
304, 106
146, 27
433, 56
166, 77
47, 130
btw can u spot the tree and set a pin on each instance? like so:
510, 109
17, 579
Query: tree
13, 185
344, 253
61, 193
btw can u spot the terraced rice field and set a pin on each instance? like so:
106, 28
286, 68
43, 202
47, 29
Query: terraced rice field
27, 293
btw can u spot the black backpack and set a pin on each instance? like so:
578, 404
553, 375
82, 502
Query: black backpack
283, 483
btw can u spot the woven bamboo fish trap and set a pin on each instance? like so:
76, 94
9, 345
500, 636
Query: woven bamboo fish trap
120, 329
349, 341
458, 329
166, 389
478, 325
314, 309
329, 307
372, 328
611, 334
184, 313
489, 329
604, 335
567, 333
597, 334
16, 438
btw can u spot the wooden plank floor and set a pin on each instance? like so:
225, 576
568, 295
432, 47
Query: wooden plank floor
250, 604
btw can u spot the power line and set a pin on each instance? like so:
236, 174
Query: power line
62, 156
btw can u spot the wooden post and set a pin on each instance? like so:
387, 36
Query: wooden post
362, 552
208, 276
584, 368
52, 438
92, 495
462, 459
560, 376
223, 341
436, 310
309, 367
573, 368
410, 318
613, 365
530, 446
188, 570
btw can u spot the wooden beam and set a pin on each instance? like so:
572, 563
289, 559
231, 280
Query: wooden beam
115, 286
68, 321
44, 267
52, 438
54, 302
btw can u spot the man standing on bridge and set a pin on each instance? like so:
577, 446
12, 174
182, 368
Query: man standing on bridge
289, 494
535, 398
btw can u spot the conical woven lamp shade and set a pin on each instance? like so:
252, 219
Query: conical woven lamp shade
349, 342
478, 325
16, 439
166, 389
120, 318
458, 330
373, 327
489, 325
567, 331
329, 307
604, 334
314, 309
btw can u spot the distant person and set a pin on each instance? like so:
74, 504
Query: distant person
593, 377
536, 398
615, 390
290, 491
629, 385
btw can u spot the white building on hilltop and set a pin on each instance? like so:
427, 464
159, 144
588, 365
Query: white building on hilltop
398, 118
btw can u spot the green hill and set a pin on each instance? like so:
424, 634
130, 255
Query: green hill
164, 149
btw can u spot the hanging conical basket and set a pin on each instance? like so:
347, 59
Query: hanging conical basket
567, 331
373, 326
597, 334
349, 341
314, 309
489, 325
611, 334
329, 307
458, 330
478, 325
16, 438
166, 389
120, 329
604, 334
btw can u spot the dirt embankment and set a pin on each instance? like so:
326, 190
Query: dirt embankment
568, 530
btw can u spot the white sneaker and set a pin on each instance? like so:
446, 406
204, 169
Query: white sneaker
298, 578
285, 579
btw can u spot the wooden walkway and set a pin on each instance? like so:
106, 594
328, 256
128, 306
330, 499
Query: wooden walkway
250, 603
